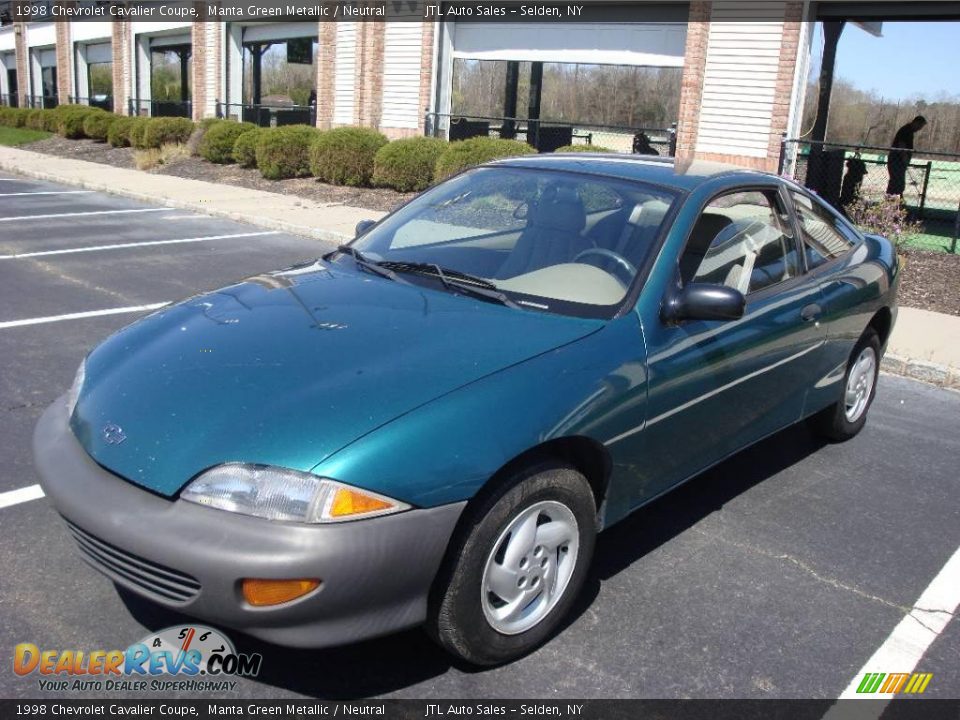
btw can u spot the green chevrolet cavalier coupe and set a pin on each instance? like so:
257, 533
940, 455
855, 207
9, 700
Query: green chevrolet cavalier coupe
431, 424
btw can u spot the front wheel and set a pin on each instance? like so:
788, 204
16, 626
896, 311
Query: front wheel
516, 567
845, 418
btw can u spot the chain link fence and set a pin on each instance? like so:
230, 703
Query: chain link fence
929, 182
549, 135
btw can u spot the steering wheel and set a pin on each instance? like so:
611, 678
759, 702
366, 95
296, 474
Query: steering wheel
619, 259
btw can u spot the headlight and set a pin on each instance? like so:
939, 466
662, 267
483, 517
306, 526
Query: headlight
75, 389
280, 494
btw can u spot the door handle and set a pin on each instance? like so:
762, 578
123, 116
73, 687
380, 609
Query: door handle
810, 312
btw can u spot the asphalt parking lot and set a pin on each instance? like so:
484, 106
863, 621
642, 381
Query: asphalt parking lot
776, 574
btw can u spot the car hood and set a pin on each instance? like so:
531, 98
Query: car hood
287, 368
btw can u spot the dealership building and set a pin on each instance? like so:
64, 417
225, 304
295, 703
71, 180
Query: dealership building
739, 70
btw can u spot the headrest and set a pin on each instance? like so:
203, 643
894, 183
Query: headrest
560, 208
650, 213
707, 228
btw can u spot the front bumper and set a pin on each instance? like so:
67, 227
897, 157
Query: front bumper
375, 574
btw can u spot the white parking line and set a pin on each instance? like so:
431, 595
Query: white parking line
81, 315
146, 243
15, 497
48, 192
911, 638
81, 214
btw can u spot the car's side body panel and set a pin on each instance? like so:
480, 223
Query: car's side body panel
854, 289
446, 450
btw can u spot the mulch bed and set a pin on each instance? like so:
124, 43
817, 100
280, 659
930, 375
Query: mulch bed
930, 280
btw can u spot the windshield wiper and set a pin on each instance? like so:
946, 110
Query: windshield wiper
453, 279
365, 263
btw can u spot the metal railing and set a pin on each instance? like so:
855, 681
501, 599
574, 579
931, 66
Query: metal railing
842, 174
548, 135
159, 108
9, 100
269, 115
104, 102
42, 101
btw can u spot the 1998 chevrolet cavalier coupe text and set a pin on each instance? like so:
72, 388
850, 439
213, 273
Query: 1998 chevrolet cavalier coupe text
431, 424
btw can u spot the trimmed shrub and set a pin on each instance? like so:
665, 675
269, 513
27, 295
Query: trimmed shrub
97, 125
166, 131
18, 117
12, 117
583, 149
284, 152
345, 156
207, 123
36, 119
138, 129
118, 134
407, 165
245, 148
463, 154
51, 121
70, 119
219, 139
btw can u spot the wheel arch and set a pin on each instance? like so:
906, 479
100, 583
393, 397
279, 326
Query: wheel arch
882, 323
589, 457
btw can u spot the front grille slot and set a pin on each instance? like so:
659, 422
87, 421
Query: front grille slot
153, 578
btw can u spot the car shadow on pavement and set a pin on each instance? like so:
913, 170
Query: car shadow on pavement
384, 665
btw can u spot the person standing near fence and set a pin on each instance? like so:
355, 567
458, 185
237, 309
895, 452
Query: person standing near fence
899, 159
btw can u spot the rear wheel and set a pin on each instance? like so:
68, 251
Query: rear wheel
516, 567
845, 418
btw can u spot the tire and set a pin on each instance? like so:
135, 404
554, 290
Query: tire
548, 567
842, 420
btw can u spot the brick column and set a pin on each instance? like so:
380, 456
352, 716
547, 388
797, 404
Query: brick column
198, 68
122, 66
368, 98
691, 88
23, 65
426, 70
64, 61
326, 70
789, 56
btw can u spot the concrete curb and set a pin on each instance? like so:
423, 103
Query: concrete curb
928, 372
318, 233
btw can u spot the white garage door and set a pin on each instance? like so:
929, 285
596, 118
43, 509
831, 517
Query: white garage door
659, 44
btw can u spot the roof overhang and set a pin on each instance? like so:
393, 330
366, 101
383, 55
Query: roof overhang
867, 11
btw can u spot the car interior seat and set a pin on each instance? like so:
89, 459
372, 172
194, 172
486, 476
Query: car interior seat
552, 235
704, 232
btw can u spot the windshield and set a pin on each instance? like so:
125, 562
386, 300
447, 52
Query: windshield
554, 241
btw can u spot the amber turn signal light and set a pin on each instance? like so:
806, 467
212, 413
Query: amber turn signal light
348, 501
260, 592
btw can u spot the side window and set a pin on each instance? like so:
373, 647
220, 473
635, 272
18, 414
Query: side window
742, 240
825, 237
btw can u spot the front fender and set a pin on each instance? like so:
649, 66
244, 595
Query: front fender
446, 450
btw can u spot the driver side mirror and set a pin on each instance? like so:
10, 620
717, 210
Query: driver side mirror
703, 301
363, 226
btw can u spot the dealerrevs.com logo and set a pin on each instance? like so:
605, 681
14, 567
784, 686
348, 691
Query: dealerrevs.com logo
183, 657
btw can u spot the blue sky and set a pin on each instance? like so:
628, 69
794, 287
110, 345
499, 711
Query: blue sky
911, 59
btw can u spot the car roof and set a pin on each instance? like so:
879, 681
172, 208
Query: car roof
666, 172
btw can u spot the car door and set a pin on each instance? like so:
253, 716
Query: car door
717, 386
828, 243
